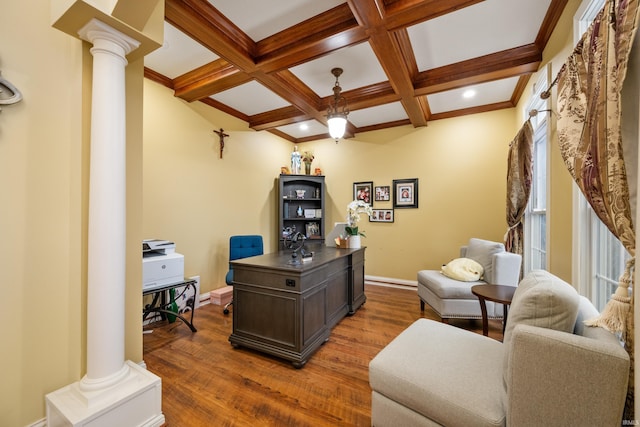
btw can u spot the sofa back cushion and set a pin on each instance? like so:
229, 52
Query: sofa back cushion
544, 300
482, 251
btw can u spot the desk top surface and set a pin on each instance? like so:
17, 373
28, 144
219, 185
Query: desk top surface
282, 260
167, 286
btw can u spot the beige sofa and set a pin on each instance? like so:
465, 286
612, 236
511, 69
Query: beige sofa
551, 370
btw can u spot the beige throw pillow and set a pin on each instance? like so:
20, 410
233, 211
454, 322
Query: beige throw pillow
463, 269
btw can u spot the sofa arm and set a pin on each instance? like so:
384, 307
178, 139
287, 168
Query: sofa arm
506, 269
556, 379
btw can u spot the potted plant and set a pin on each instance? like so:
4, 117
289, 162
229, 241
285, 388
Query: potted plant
354, 209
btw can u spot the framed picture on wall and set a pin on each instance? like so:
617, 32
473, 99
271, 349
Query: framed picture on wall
381, 215
383, 193
405, 193
363, 191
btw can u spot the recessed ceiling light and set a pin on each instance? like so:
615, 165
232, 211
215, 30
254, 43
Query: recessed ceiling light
304, 126
469, 93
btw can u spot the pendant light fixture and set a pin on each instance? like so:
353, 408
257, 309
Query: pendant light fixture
338, 111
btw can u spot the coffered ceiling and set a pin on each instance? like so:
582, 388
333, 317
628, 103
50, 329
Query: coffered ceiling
405, 62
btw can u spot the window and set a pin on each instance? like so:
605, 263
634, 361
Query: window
535, 229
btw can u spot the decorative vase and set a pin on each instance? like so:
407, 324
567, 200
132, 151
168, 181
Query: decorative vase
307, 168
354, 242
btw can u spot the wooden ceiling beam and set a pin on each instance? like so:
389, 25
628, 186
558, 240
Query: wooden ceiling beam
405, 13
389, 51
217, 76
550, 21
473, 110
508, 63
219, 37
274, 118
364, 97
289, 87
309, 49
202, 22
381, 23
158, 78
320, 26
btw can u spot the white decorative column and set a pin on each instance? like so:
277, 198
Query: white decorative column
107, 209
112, 391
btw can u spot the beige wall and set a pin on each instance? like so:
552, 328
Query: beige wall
41, 188
198, 200
194, 198
461, 167
44, 154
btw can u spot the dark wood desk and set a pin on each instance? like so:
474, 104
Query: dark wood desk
496, 293
288, 310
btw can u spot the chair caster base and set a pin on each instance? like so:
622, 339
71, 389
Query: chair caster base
226, 307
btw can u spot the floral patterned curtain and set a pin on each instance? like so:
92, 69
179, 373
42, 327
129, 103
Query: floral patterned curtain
519, 175
589, 93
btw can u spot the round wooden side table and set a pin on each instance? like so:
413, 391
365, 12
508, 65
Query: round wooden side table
497, 293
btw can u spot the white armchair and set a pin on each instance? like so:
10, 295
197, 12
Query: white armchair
452, 298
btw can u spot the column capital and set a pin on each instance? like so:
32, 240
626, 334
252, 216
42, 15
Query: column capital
96, 30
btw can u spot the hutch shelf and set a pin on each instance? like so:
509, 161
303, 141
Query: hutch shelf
301, 206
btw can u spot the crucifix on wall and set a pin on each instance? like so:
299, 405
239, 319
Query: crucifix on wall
222, 136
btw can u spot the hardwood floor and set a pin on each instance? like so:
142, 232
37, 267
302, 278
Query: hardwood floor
206, 382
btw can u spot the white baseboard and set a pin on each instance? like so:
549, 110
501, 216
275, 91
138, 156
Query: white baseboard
39, 423
205, 298
391, 282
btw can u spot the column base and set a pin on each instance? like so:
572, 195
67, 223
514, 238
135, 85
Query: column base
136, 400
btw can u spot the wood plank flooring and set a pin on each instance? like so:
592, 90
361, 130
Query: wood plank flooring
206, 382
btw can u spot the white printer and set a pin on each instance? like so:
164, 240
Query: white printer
161, 265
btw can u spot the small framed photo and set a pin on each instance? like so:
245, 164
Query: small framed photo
381, 215
405, 193
313, 230
383, 193
362, 191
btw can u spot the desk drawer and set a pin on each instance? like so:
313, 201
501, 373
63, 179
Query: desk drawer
280, 280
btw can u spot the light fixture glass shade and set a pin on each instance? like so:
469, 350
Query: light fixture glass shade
337, 126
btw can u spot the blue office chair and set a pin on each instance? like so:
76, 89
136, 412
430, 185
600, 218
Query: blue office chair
242, 247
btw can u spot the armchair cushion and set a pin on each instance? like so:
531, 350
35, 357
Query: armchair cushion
463, 269
450, 375
483, 251
542, 299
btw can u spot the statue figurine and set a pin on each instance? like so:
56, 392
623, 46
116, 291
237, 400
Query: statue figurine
296, 161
